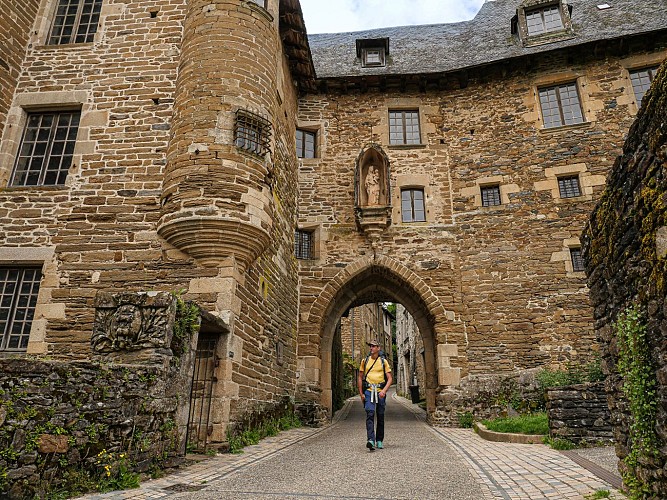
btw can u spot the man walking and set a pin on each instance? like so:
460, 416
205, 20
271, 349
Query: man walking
373, 383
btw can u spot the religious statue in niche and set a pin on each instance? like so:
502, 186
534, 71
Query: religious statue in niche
372, 184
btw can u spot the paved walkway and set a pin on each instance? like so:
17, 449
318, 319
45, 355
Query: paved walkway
419, 462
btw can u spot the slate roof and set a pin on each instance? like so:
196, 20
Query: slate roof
483, 40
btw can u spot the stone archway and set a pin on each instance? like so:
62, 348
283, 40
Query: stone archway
371, 279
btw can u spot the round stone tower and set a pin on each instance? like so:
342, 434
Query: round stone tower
216, 198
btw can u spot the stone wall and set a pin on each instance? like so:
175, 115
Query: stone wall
580, 413
99, 231
15, 25
626, 261
487, 397
56, 418
500, 276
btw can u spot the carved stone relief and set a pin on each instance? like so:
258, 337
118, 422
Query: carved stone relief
132, 321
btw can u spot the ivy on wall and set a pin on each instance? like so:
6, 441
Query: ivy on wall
639, 387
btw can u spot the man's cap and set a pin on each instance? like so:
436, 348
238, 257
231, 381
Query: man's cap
373, 342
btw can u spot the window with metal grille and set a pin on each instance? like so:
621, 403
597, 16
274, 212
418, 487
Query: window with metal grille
641, 81
75, 21
412, 205
577, 259
569, 186
560, 105
404, 127
490, 196
544, 20
252, 132
303, 244
305, 143
373, 57
46, 150
18, 296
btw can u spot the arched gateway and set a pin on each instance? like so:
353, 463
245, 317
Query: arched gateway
368, 280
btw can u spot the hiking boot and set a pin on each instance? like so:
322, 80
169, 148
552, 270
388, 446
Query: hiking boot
370, 445
378, 445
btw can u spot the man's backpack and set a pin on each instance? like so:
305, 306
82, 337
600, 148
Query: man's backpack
383, 359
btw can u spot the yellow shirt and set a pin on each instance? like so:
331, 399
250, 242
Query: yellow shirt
375, 374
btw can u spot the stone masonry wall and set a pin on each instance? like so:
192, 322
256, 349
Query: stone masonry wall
61, 422
503, 271
580, 413
626, 261
99, 230
15, 24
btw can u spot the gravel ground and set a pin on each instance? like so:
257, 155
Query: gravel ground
604, 456
336, 464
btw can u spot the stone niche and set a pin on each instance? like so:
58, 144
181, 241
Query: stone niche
371, 191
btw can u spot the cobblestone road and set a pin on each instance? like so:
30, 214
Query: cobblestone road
419, 462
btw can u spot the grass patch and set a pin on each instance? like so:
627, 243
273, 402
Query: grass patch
269, 428
559, 443
535, 423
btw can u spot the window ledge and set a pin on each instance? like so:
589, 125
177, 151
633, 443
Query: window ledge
407, 146
562, 128
47, 187
546, 38
64, 46
583, 197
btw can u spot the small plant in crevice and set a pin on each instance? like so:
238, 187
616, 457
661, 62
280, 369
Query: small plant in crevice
115, 472
639, 388
186, 324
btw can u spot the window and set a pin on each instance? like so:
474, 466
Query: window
305, 143
577, 260
373, 57
252, 132
18, 296
404, 127
261, 3
303, 244
490, 196
412, 205
569, 186
544, 20
560, 105
641, 81
75, 21
46, 150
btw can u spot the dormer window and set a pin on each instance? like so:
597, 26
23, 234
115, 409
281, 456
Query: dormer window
543, 20
373, 57
373, 52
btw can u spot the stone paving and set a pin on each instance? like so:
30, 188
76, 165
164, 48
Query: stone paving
419, 462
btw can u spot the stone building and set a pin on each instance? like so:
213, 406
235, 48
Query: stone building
363, 323
410, 353
149, 145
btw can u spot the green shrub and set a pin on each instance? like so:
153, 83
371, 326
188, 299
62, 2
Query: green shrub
535, 423
466, 420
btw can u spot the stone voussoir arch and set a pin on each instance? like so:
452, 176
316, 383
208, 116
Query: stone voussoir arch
341, 292
317, 314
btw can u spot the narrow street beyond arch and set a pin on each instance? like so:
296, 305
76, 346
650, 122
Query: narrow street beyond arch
418, 462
